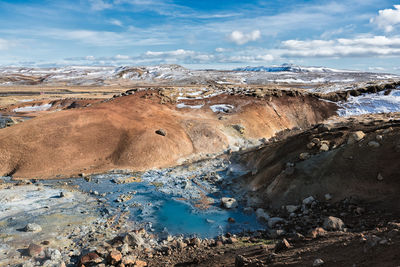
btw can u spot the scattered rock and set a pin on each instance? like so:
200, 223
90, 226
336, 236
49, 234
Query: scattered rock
276, 233
328, 197
231, 240
34, 250
125, 249
218, 243
308, 200
140, 263
238, 128
379, 137
129, 260
114, 257
333, 223
394, 225
282, 245
324, 147
53, 254
274, 220
310, 145
373, 144
32, 227
317, 232
324, 128
126, 180
316, 141
355, 137
304, 156
241, 261
66, 194
133, 239
318, 262
231, 220
379, 177
359, 211
124, 198
91, 258
180, 244
229, 203
161, 132
291, 208
195, 242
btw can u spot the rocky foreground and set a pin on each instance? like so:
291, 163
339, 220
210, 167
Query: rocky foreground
322, 224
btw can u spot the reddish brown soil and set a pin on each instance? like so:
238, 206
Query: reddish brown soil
121, 133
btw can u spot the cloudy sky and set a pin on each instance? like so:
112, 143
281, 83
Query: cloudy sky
351, 34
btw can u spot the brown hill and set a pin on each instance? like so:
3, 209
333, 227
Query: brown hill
121, 134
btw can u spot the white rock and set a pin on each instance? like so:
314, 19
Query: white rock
52, 254
379, 177
328, 197
262, 214
324, 147
229, 203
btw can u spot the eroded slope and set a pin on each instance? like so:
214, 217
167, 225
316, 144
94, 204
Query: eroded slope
122, 133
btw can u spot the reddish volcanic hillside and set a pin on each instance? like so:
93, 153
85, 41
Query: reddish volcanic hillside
121, 133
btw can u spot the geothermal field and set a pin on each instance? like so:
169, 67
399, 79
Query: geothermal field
168, 166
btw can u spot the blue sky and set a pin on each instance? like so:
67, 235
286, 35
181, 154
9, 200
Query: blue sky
352, 34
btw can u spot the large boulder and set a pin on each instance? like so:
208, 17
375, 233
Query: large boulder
333, 224
355, 137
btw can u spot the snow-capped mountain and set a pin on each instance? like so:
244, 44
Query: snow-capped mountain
289, 68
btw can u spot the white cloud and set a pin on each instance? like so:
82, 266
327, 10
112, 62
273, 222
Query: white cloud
4, 44
363, 46
220, 49
103, 38
241, 38
116, 22
99, 5
178, 52
387, 19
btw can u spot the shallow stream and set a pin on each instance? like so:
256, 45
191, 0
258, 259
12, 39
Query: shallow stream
181, 200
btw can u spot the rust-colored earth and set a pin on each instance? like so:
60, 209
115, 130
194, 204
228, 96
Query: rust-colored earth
121, 133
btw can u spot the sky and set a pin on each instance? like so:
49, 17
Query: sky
224, 34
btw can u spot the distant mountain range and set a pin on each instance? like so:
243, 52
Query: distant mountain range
288, 68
